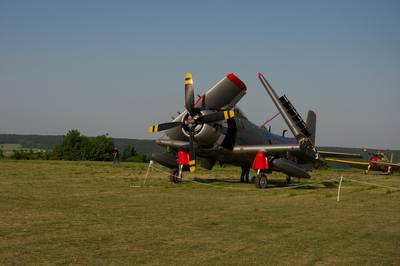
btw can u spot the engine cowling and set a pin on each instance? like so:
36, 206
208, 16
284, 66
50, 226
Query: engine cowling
205, 133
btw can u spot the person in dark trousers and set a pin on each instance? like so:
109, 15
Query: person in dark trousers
115, 156
244, 176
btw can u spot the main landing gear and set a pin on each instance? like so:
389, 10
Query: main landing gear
389, 171
260, 163
175, 176
261, 181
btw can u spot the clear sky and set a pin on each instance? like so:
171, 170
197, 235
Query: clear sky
118, 66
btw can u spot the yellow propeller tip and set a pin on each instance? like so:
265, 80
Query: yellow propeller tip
229, 114
188, 79
153, 129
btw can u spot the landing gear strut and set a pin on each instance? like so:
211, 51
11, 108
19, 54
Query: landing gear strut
368, 168
260, 163
389, 171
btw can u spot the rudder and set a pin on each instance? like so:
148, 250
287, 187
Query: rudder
311, 124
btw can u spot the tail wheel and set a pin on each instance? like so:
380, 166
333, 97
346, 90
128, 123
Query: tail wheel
174, 177
261, 181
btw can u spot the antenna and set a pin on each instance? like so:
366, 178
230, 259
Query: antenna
269, 120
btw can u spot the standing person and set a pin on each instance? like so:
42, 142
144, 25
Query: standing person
115, 156
244, 176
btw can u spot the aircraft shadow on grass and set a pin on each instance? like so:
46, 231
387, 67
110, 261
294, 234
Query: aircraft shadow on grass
272, 183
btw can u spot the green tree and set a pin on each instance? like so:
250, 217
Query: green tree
78, 147
100, 148
73, 148
129, 154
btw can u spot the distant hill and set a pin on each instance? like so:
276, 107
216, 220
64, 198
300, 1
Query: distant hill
144, 146
31, 141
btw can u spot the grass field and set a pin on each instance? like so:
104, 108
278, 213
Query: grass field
55, 212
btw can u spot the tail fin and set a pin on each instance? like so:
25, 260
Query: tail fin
311, 124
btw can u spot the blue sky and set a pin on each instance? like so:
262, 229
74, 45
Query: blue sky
117, 66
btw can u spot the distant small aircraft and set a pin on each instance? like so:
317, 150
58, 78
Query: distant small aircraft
377, 162
214, 130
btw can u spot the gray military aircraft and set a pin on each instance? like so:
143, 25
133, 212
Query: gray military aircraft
213, 129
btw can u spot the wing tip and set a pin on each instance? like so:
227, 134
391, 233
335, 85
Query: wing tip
240, 84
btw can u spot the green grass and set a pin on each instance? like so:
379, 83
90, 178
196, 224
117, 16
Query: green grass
55, 212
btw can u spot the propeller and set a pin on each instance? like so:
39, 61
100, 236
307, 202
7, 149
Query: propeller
218, 116
164, 126
193, 118
189, 93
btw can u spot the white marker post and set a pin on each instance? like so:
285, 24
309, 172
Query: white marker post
340, 185
148, 171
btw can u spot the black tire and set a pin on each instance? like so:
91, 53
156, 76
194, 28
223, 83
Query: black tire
263, 182
257, 181
174, 176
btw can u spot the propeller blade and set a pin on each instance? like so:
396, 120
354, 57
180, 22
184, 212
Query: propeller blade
218, 116
192, 153
164, 126
189, 93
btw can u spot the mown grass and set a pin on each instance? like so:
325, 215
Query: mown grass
55, 212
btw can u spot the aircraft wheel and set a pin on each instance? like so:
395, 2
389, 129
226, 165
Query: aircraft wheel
257, 181
174, 176
288, 180
261, 181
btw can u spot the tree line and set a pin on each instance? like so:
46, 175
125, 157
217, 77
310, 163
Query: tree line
77, 147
